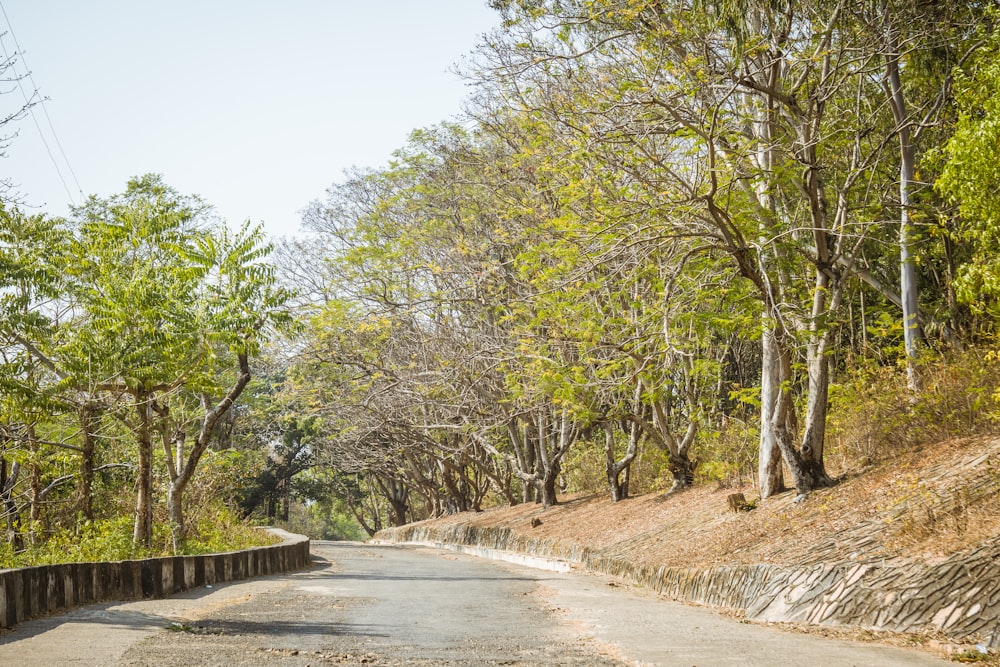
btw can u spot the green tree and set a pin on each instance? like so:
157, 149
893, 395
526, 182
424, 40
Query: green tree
33, 258
167, 302
970, 177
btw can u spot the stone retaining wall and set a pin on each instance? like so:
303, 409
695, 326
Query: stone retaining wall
33, 591
959, 596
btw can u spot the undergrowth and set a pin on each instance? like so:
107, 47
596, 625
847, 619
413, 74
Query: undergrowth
874, 417
111, 540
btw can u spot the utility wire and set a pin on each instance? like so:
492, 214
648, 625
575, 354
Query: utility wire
41, 102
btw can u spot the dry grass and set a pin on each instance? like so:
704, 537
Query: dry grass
926, 504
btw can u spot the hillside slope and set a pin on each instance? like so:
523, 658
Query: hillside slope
927, 505
910, 545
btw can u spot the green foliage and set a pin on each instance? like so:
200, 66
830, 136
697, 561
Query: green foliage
111, 540
584, 469
138, 286
976, 655
971, 175
650, 472
275, 481
220, 531
165, 291
34, 252
140, 312
728, 455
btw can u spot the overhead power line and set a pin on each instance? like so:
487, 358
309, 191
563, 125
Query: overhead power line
19, 52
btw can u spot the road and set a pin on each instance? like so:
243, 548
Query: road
382, 605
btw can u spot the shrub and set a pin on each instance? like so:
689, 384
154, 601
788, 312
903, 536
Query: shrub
873, 415
728, 455
111, 540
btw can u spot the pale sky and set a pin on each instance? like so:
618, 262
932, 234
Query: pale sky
255, 106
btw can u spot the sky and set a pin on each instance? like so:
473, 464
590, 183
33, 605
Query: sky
255, 106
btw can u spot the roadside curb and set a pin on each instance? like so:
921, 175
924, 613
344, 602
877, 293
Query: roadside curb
30, 592
527, 560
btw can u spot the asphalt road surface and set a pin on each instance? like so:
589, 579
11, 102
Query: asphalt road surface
386, 605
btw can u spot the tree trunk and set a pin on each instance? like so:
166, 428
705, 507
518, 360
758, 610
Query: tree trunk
682, 471
9, 505
369, 529
681, 467
142, 528
89, 417
181, 470
912, 336
398, 508
547, 485
618, 470
814, 435
175, 514
286, 499
555, 436
782, 424
35, 483
770, 476
524, 458
397, 495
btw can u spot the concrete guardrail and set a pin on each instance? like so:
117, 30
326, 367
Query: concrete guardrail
34, 591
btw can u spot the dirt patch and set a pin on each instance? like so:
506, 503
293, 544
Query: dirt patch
926, 505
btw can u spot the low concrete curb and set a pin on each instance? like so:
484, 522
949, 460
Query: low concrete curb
536, 562
33, 591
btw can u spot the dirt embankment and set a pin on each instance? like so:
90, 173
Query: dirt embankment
911, 545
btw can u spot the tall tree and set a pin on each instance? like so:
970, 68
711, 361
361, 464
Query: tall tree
164, 298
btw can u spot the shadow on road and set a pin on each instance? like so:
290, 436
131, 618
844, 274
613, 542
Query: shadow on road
102, 614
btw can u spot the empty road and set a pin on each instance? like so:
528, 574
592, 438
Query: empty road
383, 605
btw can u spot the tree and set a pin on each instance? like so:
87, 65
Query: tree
167, 303
969, 176
721, 118
242, 308
33, 258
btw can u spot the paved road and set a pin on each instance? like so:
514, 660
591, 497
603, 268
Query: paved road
380, 605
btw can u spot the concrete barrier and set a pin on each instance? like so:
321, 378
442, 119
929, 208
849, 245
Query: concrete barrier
33, 591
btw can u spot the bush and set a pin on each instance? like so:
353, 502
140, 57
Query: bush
874, 416
111, 540
728, 455
585, 469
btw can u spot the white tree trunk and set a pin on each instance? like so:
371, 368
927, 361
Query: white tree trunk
770, 477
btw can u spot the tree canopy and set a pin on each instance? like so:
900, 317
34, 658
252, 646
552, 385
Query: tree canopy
666, 242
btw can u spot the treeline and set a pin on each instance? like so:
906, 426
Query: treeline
664, 231
126, 333
666, 242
